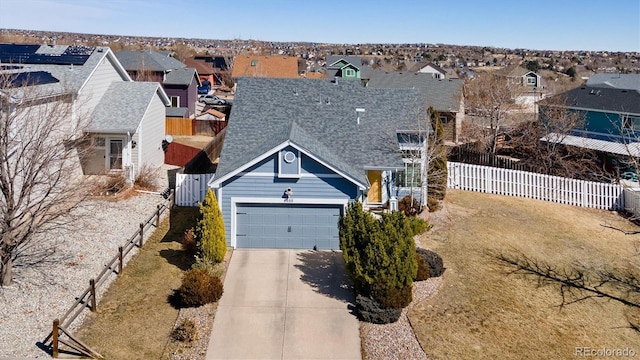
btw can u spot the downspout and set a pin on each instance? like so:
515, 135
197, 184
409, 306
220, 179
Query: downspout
131, 175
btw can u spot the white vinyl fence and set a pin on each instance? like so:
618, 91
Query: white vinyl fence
535, 186
191, 188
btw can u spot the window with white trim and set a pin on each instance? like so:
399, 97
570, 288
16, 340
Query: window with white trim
631, 122
349, 73
410, 176
175, 101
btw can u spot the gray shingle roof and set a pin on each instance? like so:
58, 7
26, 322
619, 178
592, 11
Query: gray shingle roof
182, 112
148, 60
320, 117
442, 94
603, 99
180, 77
122, 107
71, 77
618, 81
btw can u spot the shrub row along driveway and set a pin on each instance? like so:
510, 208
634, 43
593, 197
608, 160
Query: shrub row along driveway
285, 304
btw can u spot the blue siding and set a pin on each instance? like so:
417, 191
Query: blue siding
289, 168
308, 186
310, 166
267, 165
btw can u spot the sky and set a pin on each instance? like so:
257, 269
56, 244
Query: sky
608, 25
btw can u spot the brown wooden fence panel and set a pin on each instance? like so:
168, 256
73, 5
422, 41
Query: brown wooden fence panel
208, 127
178, 126
179, 154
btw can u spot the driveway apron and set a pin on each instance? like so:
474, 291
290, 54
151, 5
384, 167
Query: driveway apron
285, 304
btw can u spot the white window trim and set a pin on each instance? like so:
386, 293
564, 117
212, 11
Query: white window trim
177, 101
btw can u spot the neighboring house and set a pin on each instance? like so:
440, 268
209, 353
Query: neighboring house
521, 76
611, 120
346, 67
176, 79
273, 66
127, 129
209, 68
289, 167
436, 71
445, 96
181, 85
616, 81
533, 90
148, 65
102, 94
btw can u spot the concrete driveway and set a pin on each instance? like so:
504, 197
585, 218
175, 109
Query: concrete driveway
285, 304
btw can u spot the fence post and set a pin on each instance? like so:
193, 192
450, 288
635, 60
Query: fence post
120, 257
92, 285
141, 234
54, 341
158, 216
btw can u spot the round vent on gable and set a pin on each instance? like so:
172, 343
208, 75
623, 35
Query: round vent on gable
289, 157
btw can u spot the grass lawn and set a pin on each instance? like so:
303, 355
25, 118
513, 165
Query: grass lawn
134, 318
481, 312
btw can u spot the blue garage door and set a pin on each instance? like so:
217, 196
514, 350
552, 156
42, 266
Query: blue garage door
287, 226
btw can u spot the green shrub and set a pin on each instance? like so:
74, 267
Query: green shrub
186, 331
199, 288
370, 311
407, 206
433, 260
433, 203
392, 297
210, 233
214, 269
423, 268
378, 254
418, 226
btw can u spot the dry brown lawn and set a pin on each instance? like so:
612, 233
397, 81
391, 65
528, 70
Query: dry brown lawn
134, 319
481, 312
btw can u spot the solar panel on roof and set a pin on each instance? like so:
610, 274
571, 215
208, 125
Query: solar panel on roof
32, 78
28, 54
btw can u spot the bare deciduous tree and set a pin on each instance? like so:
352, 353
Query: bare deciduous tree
491, 100
540, 144
39, 171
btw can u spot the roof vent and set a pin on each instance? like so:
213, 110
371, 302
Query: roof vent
358, 112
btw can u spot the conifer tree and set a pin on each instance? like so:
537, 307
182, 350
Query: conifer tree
210, 233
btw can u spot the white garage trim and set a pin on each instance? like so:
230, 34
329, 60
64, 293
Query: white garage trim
276, 200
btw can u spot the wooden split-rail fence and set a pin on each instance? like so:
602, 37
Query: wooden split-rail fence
60, 333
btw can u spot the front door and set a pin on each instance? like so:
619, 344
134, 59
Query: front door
375, 190
115, 154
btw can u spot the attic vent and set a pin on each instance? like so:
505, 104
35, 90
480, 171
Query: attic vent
295, 91
327, 101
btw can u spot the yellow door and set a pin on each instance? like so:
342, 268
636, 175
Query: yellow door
375, 189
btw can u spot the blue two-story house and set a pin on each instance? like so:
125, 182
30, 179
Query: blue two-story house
611, 120
298, 150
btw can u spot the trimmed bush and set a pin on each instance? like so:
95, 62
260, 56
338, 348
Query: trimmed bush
379, 255
418, 226
198, 288
408, 207
392, 297
210, 233
210, 267
370, 311
423, 268
186, 331
433, 260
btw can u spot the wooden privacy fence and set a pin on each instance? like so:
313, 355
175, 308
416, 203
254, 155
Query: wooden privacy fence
536, 186
190, 127
464, 154
60, 333
191, 188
